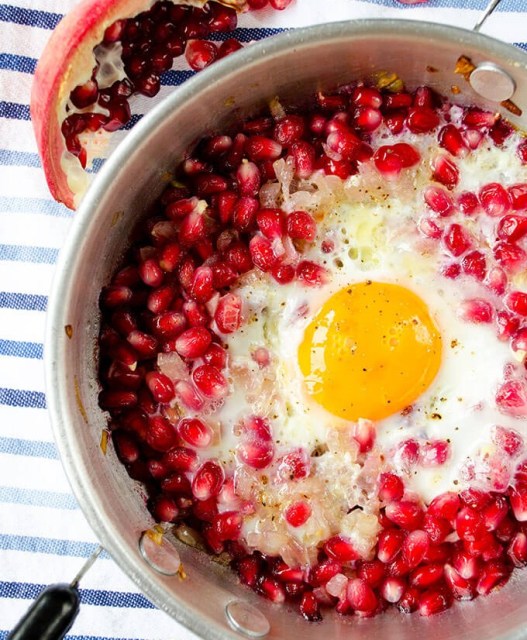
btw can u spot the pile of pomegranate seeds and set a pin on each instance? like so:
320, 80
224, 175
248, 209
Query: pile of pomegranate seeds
164, 367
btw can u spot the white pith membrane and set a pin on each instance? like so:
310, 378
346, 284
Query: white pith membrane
372, 224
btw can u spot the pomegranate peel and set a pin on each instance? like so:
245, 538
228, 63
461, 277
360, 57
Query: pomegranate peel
66, 63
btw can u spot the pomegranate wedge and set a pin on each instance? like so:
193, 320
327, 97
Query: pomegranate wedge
100, 54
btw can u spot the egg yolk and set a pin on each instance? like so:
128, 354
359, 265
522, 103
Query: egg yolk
370, 351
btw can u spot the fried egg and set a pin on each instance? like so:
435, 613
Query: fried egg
381, 340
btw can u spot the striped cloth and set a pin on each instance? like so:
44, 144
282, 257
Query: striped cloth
44, 537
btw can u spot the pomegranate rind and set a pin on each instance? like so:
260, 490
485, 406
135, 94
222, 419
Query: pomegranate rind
66, 62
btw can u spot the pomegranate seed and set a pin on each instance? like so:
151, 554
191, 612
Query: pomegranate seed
303, 155
436, 527
289, 129
517, 550
228, 314
429, 228
192, 228
210, 382
115, 296
188, 395
209, 183
260, 148
518, 500
474, 264
256, 449
142, 343
164, 509
466, 565
249, 179
508, 440
364, 434
500, 131
200, 53
426, 575
311, 273
208, 480
519, 336
176, 484
301, 226
391, 487
516, 301
249, 569
202, 288
450, 138
494, 199
361, 596
407, 454
493, 574
457, 240
511, 398
227, 525
181, 459
460, 587
373, 572
322, 572
392, 589
477, 311
473, 138
272, 590
496, 280
294, 465
467, 202
495, 512
161, 386
340, 549
405, 514
409, 602
518, 196
297, 513
194, 432
433, 601
161, 435
160, 299
368, 118
521, 152
512, 227
434, 453
451, 271
216, 356
344, 142
469, 524
391, 159
270, 222
415, 547
309, 607
193, 342
126, 447
422, 119
475, 498
223, 275
196, 314
262, 253
475, 117
389, 544
445, 171
151, 273
439, 201
283, 273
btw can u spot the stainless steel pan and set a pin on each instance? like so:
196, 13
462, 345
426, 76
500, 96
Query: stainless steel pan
292, 66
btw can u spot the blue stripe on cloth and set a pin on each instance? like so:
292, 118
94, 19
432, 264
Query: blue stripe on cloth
34, 205
19, 158
98, 597
50, 499
21, 349
52, 546
12, 62
30, 448
475, 5
22, 398
29, 17
14, 110
17, 253
22, 301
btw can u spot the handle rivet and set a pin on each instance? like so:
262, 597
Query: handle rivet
246, 619
492, 82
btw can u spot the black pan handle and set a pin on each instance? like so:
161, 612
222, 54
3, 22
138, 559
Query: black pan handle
51, 616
